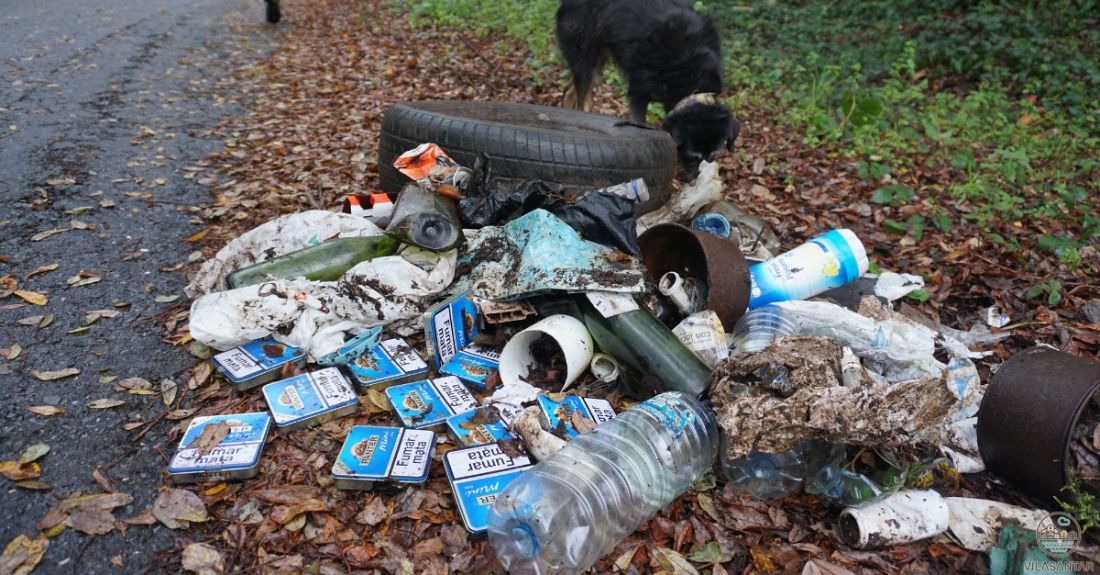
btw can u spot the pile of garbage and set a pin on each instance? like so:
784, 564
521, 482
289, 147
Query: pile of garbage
499, 318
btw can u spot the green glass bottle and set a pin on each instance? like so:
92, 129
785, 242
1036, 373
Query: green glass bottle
634, 337
326, 261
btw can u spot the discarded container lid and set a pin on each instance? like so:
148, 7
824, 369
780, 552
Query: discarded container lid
472, 364
310, 399
257, 362
427, 404
477, 475
712, 260
372, 454
484, 425
712, 222
391, 362
237, 456
1026, 421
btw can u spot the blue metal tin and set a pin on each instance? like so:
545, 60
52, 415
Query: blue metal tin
484, 425
477, 475
559, 414
472, 364
394, 454
449, 327
391, 362
257, 362
237, 456
310, 399
427, 404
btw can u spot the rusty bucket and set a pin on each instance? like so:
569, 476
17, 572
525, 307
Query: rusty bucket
713, 260
1027, 418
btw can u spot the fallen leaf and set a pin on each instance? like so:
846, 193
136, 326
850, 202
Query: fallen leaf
45, 321
108, 379
211, 435
42, 270
106, 203
674, 562
166, 298
378, 399
83, 280
198, 236
31, 320
117, 560
135, 383
202, 559
178, 414
106, 403
43, 235
22, 555
107, 313
15, 471
14, 352
32, 297
79, 225
34, 453
78, 330
44, 410
283, 514
202, 373
35, 485
104, 480
373, 514
178, 508
168, 389
52, 375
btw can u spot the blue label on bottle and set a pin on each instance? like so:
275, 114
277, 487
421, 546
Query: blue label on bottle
477, 475
472, 364
672, 419
824, 263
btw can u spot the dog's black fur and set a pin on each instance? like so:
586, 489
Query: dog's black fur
667, 51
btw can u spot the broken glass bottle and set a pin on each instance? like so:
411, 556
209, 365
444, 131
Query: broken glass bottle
326, 261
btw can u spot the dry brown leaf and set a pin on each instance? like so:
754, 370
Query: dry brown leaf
283, 514
178, 414
32, 297
210, 437
43, 235
178, 508
104, 480
106, 403
22, 555
44, 410
202, 373
202, 559
674, 562
198, 236
16, 471
42, 270
289, 494
168, 389
52, 375
373, 513
34, 453
135, 383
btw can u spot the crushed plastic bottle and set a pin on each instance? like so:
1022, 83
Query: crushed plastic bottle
571, 509
836, 478
758, 327
764, 475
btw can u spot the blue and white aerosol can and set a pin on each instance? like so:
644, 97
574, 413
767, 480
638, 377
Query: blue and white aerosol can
819, 265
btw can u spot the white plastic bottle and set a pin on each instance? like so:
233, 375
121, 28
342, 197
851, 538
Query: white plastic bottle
564, 514
823, 263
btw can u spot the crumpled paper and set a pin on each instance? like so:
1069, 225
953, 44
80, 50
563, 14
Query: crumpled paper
319, 316
538, 253
280, 236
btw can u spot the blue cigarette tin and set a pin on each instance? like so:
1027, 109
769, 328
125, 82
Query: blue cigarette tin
449, 327
484, 425
427, 404
257, 362
237, 456
389, 363
477, 475
310, 399
372, 454
559, 414
472, 364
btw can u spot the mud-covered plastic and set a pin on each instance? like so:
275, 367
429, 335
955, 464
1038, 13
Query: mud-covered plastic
764, 475
571, 509
759, 327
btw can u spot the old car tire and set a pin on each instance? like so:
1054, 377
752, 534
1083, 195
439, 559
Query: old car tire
526, 142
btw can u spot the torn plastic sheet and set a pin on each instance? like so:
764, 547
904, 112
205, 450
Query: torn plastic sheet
898, 350
956, 340
683, 205
279, 236
894, 286
319, 316
878, 414
539, 253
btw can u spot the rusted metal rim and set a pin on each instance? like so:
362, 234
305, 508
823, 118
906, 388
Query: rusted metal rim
714, 260
1027, 418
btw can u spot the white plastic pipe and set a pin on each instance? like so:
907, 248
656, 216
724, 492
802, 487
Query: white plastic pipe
604, 367
672, 286
569, 333
904, 517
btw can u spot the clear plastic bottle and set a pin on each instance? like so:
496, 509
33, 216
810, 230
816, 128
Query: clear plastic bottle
839, 479
764, 475
564, 514
758, 327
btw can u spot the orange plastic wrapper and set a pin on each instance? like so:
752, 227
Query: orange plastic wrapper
430, 167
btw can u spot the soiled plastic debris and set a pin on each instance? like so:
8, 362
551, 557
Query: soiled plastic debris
976, 523
894, 286
874, 415
702, 332
686, 203
538, 253
489, 203
279, 236
319, 316
430, 167
896, 348
957, 340
540, 443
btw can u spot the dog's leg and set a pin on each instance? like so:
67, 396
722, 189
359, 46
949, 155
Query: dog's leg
639, 104
578, 94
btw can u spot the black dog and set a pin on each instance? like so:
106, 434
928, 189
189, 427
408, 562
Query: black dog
668, 52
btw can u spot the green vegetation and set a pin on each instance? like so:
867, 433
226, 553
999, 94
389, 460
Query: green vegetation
1004, 96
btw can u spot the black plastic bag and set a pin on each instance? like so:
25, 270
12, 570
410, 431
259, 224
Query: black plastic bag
602, 218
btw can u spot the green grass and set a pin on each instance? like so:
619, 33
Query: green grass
1005, 93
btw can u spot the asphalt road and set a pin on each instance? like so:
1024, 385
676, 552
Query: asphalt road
99, 98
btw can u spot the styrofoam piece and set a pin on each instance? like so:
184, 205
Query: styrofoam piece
569, 333
904, 517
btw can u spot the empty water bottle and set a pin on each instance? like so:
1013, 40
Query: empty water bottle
758, 327
572, 508
764, 475
834, 477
